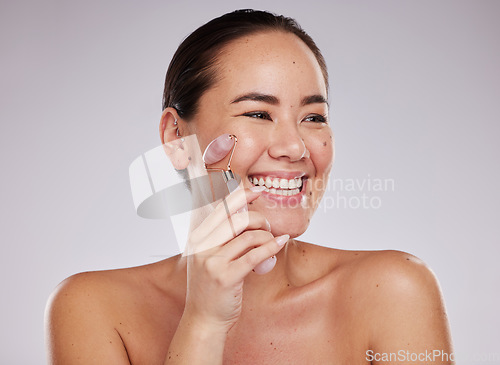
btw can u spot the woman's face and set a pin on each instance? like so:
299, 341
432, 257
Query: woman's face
271, 94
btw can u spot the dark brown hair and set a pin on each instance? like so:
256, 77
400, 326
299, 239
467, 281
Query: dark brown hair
193, 70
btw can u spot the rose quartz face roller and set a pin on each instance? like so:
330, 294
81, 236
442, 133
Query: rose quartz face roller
219, 148
216, 151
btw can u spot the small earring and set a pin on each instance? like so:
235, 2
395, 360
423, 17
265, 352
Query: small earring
177, 130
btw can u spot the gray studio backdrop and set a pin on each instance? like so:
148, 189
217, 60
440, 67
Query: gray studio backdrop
414, 96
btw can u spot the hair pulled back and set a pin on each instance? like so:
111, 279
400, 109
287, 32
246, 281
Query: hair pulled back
193, 69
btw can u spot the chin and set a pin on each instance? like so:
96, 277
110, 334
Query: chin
293, 221
292, 227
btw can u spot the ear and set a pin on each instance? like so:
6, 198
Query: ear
169, 125
171, 139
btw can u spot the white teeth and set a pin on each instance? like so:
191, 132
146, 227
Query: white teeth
269, 182
278, 186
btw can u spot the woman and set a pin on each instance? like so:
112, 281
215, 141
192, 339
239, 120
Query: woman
260, 77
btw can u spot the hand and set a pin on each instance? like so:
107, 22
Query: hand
222, 251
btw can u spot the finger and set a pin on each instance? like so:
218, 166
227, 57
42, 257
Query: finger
225, 209
234, 202
245, 264
243, 243
229, 229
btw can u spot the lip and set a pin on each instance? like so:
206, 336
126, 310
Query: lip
281, 174
282, 200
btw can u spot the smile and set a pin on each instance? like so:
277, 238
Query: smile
278, 186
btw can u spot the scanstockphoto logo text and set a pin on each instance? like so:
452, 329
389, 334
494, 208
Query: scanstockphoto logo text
437, 356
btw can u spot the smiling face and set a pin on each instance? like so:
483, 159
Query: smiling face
270, 93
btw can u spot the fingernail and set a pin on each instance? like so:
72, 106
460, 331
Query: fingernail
281, 240
257, 189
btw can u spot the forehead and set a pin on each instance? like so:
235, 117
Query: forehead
273, 62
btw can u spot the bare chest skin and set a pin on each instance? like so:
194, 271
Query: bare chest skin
308, 325
316, 323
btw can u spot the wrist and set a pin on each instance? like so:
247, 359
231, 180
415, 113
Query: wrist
197, 341
204, 327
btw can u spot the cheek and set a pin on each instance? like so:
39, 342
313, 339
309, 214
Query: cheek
249, 149
321, 148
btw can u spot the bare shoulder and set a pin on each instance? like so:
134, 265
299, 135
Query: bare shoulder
388, 277
109, 291
79, 318
389, 266
395, 275
400, 300
83, 312
92, 285
385, 272
99, 287
395, 296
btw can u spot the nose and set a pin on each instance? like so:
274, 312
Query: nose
288, 143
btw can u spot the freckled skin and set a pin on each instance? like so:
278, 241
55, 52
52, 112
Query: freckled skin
261, 64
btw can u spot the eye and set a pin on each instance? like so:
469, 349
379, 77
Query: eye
316, 118
258, 115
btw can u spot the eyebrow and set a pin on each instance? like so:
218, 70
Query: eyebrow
273, 100
269, 99
314, 99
